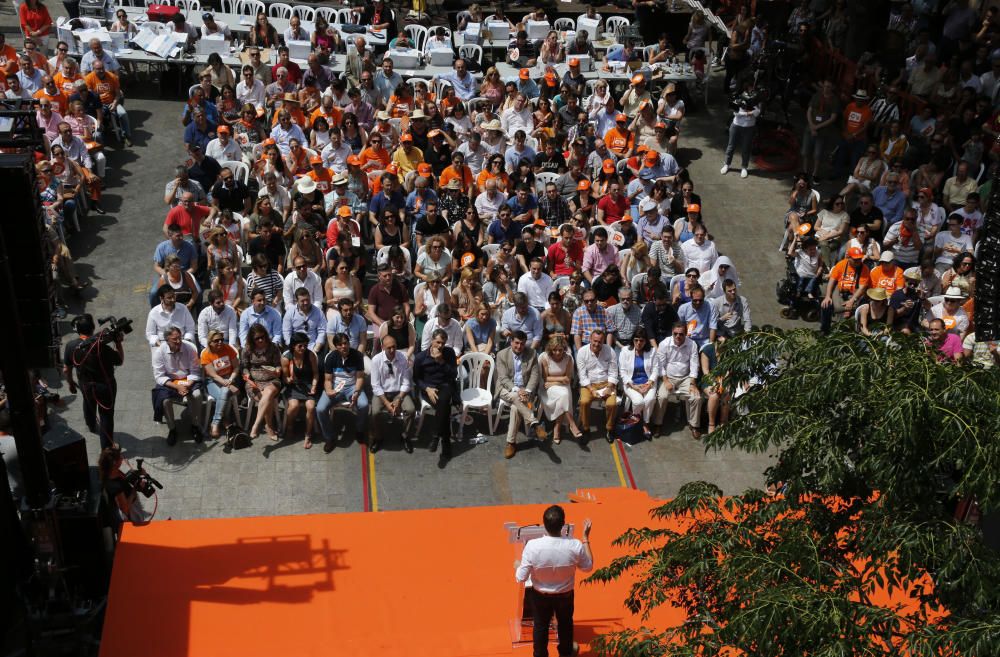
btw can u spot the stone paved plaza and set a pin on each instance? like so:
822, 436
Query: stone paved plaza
115, 254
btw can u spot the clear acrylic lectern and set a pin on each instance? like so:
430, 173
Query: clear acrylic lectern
520, 622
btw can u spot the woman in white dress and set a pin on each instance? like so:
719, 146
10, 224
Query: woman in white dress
638, 374
557, 399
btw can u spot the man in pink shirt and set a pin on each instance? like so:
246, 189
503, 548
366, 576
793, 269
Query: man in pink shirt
566, 255
599, 255
947, 345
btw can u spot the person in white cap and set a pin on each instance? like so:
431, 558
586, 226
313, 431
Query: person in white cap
950, 310
651, 223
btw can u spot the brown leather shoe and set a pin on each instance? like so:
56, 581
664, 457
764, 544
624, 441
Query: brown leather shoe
540, 432
695, 432
510, 450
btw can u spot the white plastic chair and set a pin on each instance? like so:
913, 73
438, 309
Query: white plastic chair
279, 10
251, 8
565, 25
190, 6
305, 14
346, 17
560, 282
439, 88
328, 13
544, 178
531, 142
413, 83
675, 280
491, 250
474, 397
241, 170
417, 34
229, 6
615, 24
471, 51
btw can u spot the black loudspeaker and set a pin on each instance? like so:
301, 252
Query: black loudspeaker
85, 550
987, 314
28, 258
66, 460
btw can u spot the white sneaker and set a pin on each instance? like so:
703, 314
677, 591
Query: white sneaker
744, 173
724, 170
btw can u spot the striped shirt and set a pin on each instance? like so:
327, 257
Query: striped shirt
271, 283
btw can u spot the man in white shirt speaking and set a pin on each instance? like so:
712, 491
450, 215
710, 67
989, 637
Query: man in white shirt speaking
551, 562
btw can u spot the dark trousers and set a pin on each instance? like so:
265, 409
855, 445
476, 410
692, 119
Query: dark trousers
442, 414
544, 607
99, 401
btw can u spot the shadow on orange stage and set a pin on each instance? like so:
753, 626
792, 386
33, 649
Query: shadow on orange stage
434, 583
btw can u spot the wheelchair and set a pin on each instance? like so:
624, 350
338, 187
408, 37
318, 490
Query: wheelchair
796, 305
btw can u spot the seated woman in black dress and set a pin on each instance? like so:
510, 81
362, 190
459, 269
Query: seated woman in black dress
300, 369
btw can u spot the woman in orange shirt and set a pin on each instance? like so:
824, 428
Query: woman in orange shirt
401, 102
494, 169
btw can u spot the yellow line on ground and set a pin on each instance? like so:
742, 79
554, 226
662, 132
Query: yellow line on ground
618, 465
371, 481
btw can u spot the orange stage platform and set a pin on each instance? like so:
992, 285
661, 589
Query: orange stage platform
435, 583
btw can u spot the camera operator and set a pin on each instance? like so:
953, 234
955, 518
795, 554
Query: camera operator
95, 361
120, 489
746, 109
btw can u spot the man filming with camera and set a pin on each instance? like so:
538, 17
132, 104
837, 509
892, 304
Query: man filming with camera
94, 359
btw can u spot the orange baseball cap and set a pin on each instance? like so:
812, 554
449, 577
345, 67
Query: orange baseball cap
269, 141
539, 222
652, 158
805, 229
551, 79
855, 253
223, 129
524, 74
424, 169
660, 126
407, 137
344, 211
694, 207
573, 61
638, 78
315, 159
641, 148
354, 160
621, 117
392, 168
583, 185
608, 166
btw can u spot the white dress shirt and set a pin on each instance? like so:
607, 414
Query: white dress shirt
225, 321
159, 319
596, 368
399, 379
511, 120
551, 562
701, 257
336, 158
488, 207
253, 94
677, 362
313, 283
456, 336
231, 151
175, 365
536, 289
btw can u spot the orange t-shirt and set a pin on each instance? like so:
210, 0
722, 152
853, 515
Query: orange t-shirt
619, 142
8, 59
323, 179
856, 117
107, 88
888, 282
224, 362
60, 101
65, 84
450, 173
503, 180
333, 118
845, 276
369, 154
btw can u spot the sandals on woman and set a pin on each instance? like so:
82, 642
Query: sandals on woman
308, 443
